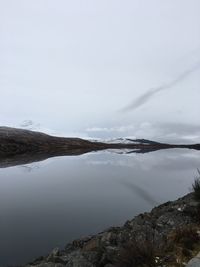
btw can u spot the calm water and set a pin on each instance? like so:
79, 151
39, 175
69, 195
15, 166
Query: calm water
47, 204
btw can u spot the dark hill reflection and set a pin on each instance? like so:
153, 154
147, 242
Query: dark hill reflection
31, 157
19, 147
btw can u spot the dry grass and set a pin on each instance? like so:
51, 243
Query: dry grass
182, 242
196, 187
185, 236
137, 254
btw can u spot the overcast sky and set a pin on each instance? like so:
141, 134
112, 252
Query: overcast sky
79, 67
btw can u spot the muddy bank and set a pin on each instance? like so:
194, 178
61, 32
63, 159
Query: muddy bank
158, 234
18, 146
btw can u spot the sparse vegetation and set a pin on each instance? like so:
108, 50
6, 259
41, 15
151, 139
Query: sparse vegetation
137, 254
185, 236
196, 187
183, 242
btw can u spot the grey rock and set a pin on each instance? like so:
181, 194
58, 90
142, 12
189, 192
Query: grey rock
109, 238
195, 262
76, 259
53, 254
47, 264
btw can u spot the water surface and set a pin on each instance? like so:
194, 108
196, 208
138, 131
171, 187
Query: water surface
48, 204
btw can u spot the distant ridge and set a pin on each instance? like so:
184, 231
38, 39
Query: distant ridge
19, 146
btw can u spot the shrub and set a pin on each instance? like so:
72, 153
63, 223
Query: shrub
196, 187
185, 236
137, 254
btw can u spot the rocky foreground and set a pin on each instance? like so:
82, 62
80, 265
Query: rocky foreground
19, 146
166, 236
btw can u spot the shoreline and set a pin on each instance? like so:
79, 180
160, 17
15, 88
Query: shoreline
154, 231
19, 146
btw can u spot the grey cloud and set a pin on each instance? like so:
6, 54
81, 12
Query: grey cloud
163, 132
178, 132
141, 100
70, 66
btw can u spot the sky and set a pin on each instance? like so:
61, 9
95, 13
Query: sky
101, 69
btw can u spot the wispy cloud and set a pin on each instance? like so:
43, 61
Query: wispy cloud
144, 98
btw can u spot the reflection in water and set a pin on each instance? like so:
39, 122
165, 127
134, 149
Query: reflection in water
141, 192
69, 197
36, 156
29, 168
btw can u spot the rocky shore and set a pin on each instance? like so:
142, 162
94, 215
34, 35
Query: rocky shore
166, 236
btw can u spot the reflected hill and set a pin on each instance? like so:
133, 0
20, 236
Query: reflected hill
19, 146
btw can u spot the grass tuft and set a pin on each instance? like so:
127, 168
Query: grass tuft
186, 236
196, 187
137, 254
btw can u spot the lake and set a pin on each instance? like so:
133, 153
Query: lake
48, 204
